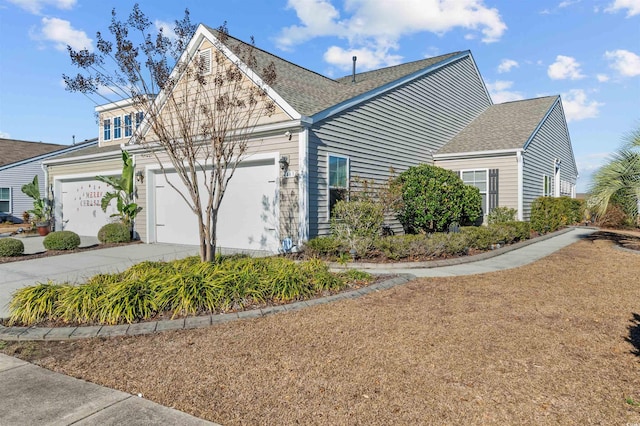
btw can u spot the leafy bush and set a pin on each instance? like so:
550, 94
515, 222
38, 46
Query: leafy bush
35, 303
114, 233
480, 237
614, 217
61, 240
433, 198
502, 215
11, 247
484, 237
357, 223
185, 286
323, 247
471, 206
548, 214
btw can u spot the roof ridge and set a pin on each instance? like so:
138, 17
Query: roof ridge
527, 100
23, 141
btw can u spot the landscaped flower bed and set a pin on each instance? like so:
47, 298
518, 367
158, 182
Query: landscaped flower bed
179, 288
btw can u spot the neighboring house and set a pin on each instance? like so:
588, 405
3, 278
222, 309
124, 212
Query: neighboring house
330, 132
19, 163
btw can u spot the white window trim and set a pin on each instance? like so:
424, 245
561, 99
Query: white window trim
124, 127
546, 193
114, 127
9, 200
486, 192
329, 187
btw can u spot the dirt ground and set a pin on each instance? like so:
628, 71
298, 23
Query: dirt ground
554, 342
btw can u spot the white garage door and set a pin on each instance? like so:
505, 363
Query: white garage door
79, 210
246, 219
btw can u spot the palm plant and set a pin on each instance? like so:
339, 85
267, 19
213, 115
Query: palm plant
619, 178
123, 190
41, 207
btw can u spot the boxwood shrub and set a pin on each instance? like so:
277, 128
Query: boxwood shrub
548, 214
11, 247
61, 240
114, 233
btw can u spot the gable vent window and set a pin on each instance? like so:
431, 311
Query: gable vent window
204, 61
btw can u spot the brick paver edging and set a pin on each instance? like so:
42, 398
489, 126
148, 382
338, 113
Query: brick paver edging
449, 262
72, 333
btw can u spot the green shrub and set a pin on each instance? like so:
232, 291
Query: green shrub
396, 247
30, 305
433, 198
114, 233
501, 215
61, 240
323, 246
548, 214
471, 206
357, 223
480, 237
11, 247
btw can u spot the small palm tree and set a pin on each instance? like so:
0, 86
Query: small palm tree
619, 178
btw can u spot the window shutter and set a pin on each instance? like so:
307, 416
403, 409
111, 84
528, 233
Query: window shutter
493, 189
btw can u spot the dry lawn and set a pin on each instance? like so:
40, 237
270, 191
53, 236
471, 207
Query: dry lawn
554, 342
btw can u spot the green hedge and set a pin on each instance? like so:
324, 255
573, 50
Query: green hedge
548, 214
10, 247
61, 240
114, 233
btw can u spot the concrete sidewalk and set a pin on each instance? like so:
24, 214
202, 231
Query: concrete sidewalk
77, 267
31, 395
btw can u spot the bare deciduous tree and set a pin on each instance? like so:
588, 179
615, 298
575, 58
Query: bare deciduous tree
200, 109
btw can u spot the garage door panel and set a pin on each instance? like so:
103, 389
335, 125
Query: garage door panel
243, 220
80, 206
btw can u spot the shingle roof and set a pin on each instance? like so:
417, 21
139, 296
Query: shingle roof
310, 93
90, 150
12, 151
501, 126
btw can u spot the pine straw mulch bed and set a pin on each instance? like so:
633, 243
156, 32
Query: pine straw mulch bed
48, 253
553, 342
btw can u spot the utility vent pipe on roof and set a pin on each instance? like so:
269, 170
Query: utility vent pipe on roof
353, 75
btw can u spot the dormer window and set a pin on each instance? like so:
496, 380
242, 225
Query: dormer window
117, 128
128, 131
204, 61
106, 126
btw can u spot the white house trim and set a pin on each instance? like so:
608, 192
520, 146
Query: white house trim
520, 160
477, 154
541, 123
303, 186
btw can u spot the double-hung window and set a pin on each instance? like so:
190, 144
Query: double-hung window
117, 127
5, 200
139, 118
478, 178
127, 126
106, 126
338, 172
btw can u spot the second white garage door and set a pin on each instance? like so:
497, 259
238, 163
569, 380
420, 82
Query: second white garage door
246, 220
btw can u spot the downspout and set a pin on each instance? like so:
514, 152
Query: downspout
520, 161
49, 193
303, 186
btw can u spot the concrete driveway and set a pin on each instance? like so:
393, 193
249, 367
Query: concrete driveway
77, 267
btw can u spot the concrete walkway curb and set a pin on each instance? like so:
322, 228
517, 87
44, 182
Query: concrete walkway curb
506, 258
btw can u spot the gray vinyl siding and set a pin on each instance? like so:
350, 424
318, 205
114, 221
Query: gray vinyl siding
14, 178
550, 142
398, 129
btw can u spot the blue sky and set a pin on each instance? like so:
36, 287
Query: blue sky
586, 50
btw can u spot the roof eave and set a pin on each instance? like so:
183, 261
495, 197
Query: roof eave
477, 154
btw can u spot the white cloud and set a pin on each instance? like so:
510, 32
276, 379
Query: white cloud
632, 7
506, 65
378, 25
167, 28
36, 6
602, 78
625, 62
567, 3
4, 135
591, 162
367, 58
577, 107
565, 67
61, 33
500, 93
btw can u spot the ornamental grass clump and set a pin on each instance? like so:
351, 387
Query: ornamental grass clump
11, 247
61, 240
36, 303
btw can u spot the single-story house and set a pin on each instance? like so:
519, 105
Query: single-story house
19, 163
330, 132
